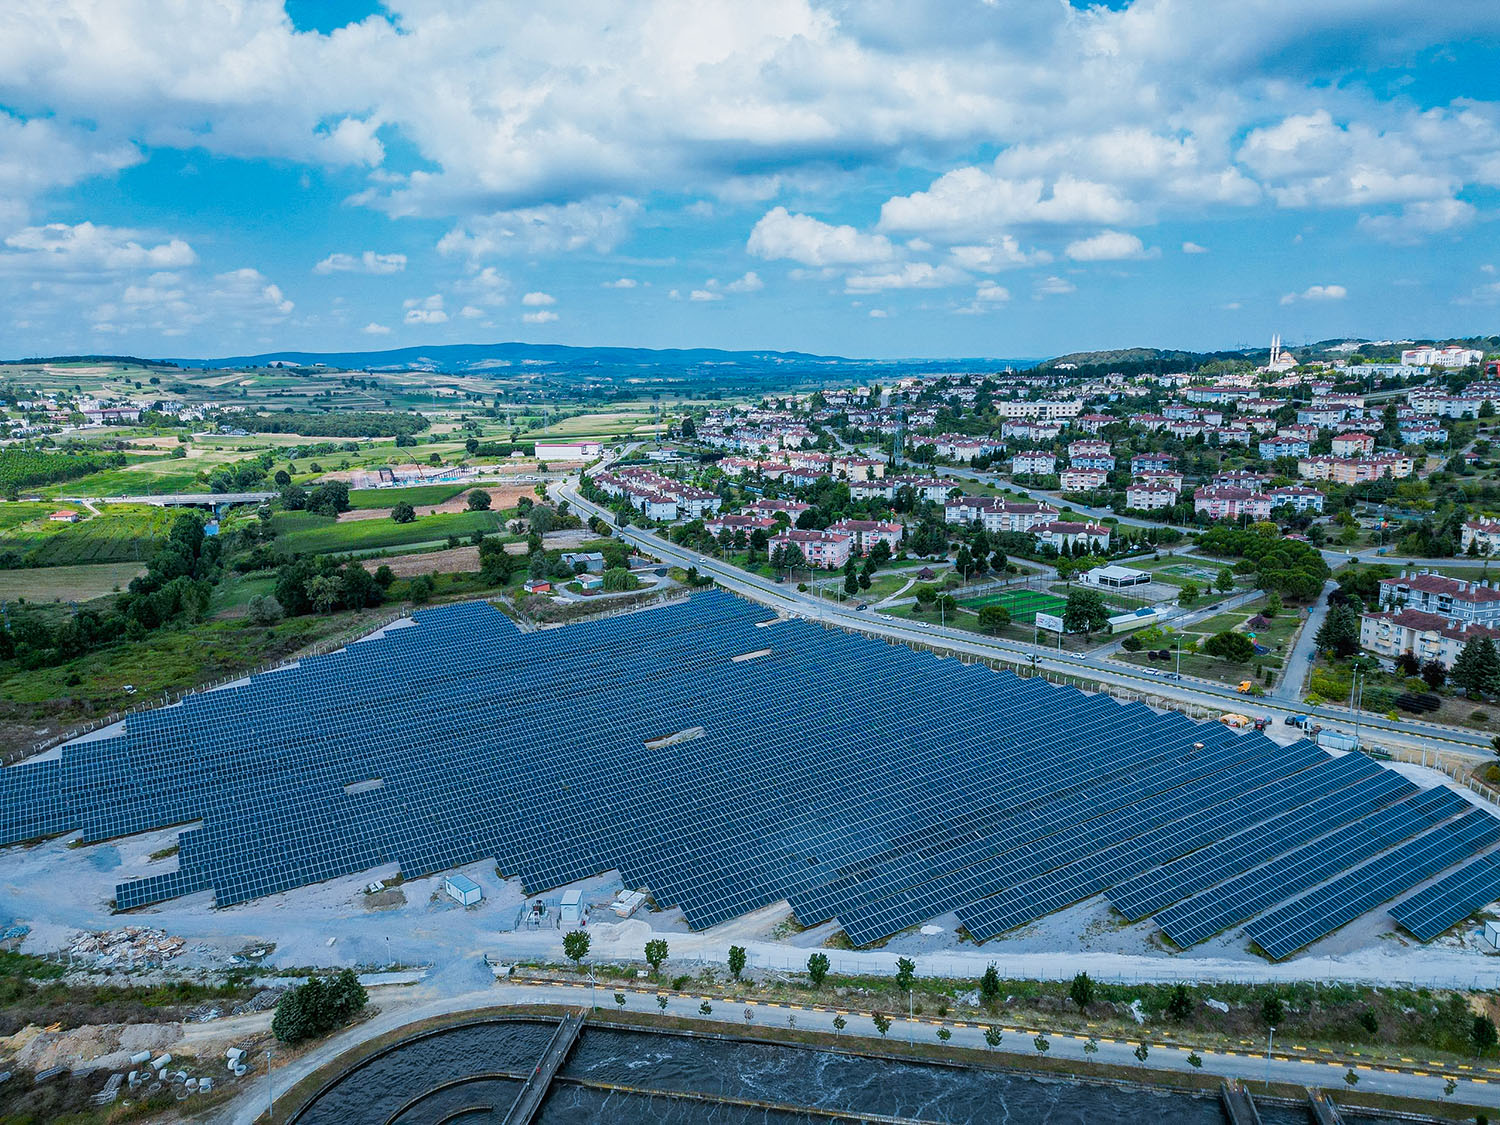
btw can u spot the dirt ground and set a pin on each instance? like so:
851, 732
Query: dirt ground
459, 560
502, 496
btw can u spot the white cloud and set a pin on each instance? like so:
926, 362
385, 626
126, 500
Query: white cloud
425, 310
621, 283
1109, 246
909, 275
1193, 248
471, 312
705, 295
998, 254
749, 283
1317, 293
1054, 286
1417, 221
598, 225
969, 202
537, 299
544, 316
85, 246
989, 291
373, 329
878, 314
812, 242
368, 262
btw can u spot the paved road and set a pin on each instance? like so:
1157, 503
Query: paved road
1294, 670
1294, 1067
785, 598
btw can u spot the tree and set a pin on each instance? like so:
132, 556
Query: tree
882, 1023
993, 1036
817, 969
620, 999
471, 446
689, 429
1350, 1078
1229, 645
264, 609
1272, 606
661, 1001
1477, 668
656, 953
318, 1007
1041, 1044
403, 512
944, 1034
851, 584
1189, 594
706, 1008
479, 500
1180, 1005
1272, 1011
324, 591
993, 618
576, 945
1195, 1060
906, 971
1085, 613
1433, 674
989, 985
384, 576
617, 579
737, 960
1225, 582
1339, 633
1141, 1052
1090, 1047
1081, 991
839, 1023
1483, 1034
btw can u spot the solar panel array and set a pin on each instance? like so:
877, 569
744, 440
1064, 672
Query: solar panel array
861, 781
1451, 899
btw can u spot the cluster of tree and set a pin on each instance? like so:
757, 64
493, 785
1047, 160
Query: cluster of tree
1339, 633
1085, 613
25, 467
327, 498
1288, 567
319, 585
1231, 646
340, 423
403, 512
477, 448
1477, 668
174, 590
321, 1005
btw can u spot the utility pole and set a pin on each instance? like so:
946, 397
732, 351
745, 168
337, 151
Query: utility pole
270, 1090
1270, 1041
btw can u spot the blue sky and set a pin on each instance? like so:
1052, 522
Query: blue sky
866, 177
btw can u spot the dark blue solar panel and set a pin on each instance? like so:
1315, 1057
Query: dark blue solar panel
1451, 899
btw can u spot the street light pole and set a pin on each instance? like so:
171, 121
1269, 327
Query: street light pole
1270, 1041
270, 1090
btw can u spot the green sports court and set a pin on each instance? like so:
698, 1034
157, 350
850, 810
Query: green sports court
1023, 604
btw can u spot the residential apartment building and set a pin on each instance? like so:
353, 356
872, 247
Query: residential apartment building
825, 550
1152, 463
1044, 411
1484, 532
1272, 448
1228, 503
1353, 445
1355, 470
1063, 534
1036, 462
1083, 479
995, 514
1297, 497
1147, 497
1426, 636
866, 533
1457, 599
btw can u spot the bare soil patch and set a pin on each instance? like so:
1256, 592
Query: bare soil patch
456, 560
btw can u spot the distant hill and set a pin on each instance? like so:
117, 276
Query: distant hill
489, 357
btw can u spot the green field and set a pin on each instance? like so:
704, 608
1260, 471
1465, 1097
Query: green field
67, 583
120, 533
416, 496
304, 533
1024, 605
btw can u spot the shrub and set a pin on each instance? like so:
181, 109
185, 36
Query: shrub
318, 1007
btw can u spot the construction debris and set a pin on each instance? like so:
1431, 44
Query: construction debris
128, 948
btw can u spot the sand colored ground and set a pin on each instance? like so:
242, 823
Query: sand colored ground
459, 560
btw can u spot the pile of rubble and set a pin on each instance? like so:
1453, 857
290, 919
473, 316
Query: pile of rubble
129, 948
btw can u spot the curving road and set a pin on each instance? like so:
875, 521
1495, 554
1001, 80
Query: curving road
785, 598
